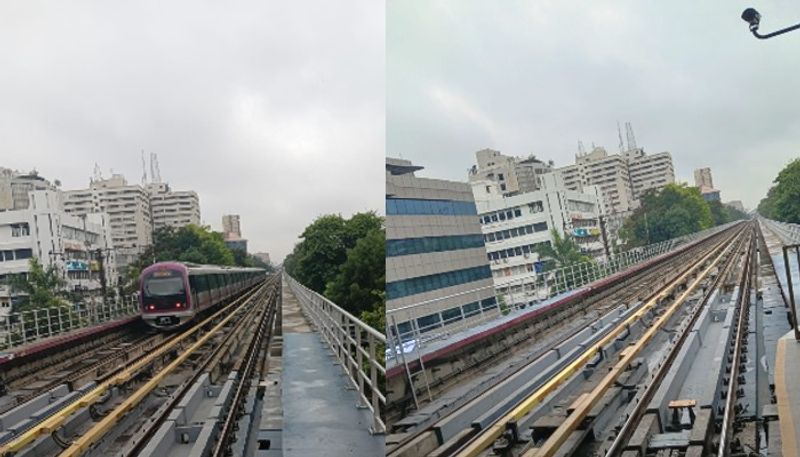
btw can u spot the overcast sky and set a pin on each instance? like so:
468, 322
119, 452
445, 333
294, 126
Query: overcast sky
273, 110
537, 76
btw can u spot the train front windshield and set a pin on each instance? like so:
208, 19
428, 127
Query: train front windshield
163, 289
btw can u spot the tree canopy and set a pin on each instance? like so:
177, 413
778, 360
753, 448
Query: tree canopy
674, 211
562, 253
190, 243
43, 287
316, 260
344, 259
361, 281
782, 202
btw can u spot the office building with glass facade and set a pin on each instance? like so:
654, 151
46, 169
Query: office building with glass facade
437, 272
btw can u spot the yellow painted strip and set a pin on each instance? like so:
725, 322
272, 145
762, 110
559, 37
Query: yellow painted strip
57, 419
488, 437
785, 416
551, 445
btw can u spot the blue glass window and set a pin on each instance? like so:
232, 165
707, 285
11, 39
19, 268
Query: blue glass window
398, 206
409, 246
418, 285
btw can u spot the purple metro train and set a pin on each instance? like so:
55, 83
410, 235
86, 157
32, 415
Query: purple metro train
174, 293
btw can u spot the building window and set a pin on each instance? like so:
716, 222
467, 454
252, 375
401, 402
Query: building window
501, 177
23, 253
428, 323
422, 284
451, 315
423, 245
471, 309
19, 230
411, 206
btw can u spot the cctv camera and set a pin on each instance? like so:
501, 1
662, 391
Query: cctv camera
751, 16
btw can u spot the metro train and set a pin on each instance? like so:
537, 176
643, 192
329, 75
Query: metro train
172, 294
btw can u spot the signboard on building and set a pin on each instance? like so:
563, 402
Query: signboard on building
76, 265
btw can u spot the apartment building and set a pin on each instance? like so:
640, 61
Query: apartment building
15, 186
231, 227
702, 178
173, 208
128, 208
437, 272
649, 171
79, 247
513, 175
514, 227
622, 179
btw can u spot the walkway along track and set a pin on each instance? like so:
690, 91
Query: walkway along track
697, 271
641, 289
574, 420
132, 373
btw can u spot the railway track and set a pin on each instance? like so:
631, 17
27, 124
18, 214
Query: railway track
112, 416
450, 438
97, 363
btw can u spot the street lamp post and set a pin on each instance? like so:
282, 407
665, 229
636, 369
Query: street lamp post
752, 17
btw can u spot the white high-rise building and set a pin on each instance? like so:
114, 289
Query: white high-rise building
15, 186
128, 208
702, 178
173, 208
649, 171
607, 171
231, 228
76, 246
134, 211
515, 226
622, 179
513, 175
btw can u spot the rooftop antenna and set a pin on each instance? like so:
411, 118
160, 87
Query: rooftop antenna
155, 174
158, 170
581, 149
97, 175
631, 138
144, 170
619, 134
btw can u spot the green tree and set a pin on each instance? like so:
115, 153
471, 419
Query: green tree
674, 211
782, 202
360, 282
190, 243
316, 260
43, 288
722, 214
562, 252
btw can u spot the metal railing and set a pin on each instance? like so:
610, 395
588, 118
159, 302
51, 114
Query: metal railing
17, 329
787, 232
517, 295
789, 235
358, 347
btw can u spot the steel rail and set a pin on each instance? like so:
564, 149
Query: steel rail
58, 418
640, 288
485, 439
245, 378
136, 446
730, 400
82, 444
571, 422
635, 416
